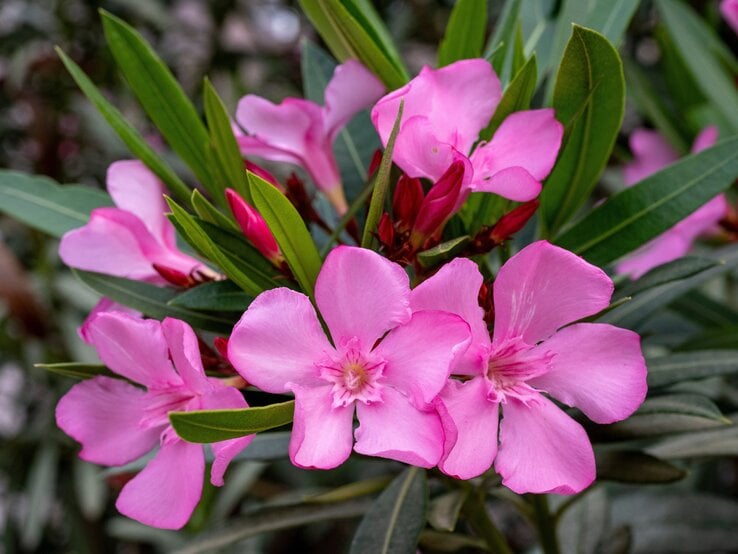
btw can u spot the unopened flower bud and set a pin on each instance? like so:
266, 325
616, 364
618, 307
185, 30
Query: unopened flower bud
174, 276
407, 201
513, 221
386, 231
263, 173
439, 205
374, 163
254, 227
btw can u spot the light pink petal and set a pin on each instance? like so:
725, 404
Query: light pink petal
225, 398
475, 419
253, 146
103, 414
703, 220
136, 189
351, 89
651, 153
455, 289
185, 353
165, 493
513, 183
706, 138
666, 247
419, 153
542, 450
544, 287
103, 305
729, 10
134, 348
597, 368
321, 433
421, 354
529, 140
395, 429
361, 294
107, 245
278, 341
458, 100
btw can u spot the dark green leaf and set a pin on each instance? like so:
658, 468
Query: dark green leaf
589, 99
445, 509
77, 370
381, 183
393, 523
289, 230
663, 274
667, 370
464, 37
206, 211
517, 96
160, 95
642, 212
443, 252
44, 205
215, 296
127, 133
151, 300
436, 541
724, 337
700, 444
703, 310
636, 467
352, 490
208, 426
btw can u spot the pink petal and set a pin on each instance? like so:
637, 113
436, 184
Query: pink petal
513, 183
543, 450
134, 348
395, 429
361, 294
651, 153
165, 493
185, 353
544, 287
321, 433
729, 11
253, 146
278, 341
706, 138
458, 100
225, 398
103, 414
419, 153
421, 353
529, 140
475, 419
597, 368
351, 89
455, 289
668, 246
137, 190
103, 305
703, 220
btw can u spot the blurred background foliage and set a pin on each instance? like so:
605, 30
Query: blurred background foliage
50, 501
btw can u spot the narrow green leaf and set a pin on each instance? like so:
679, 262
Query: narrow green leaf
571, 14
706, 69
381, 183
517, 96
672, 271
464, 36
503, 35
45, 205
642, 212
442, 252
352, 490
151, 300
589, 99
208, 426
289, 230
40, 493
215, 296
703, 310
224, 143
674, 368
206, 211
127, 133
636, 467
393, 523
719, 338
444, 510
699, 444
611, 18
160, 95
77, 370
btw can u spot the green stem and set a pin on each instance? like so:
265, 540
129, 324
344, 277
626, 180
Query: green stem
545, 523
475, 511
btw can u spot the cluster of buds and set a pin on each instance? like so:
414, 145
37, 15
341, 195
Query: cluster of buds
419, 218
493, 236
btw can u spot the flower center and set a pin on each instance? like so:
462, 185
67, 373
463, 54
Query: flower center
355, 374
511, 363
159, 403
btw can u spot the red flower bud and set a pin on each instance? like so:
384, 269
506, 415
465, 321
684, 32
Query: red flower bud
221, 345
439, 204
263, 173
174, 276
254, 227
374, 163
386, 231
513, 221
407, 201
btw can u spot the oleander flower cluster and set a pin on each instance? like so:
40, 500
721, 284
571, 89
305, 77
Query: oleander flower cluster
463, 365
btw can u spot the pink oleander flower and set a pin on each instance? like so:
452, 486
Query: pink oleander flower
651, 154
133, 238
301, 132
384, 363
445, 110
254, 228
729, 11
117, 421
535, 350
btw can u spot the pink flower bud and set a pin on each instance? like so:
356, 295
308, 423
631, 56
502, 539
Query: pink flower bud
439, 204
263, 173
513, 221
386, 231
254, 227
174, 276
407, 201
